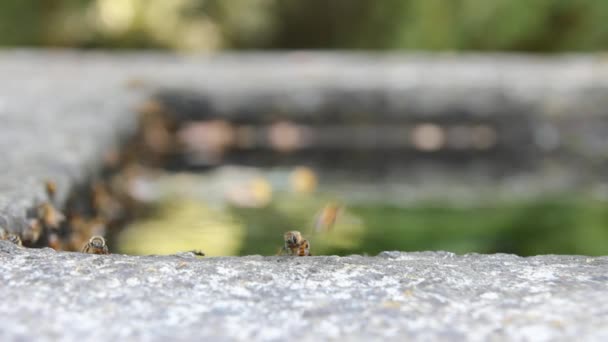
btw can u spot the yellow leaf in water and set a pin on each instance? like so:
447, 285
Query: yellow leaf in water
183, 225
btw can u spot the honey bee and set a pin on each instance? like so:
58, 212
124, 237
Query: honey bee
295, 244
156, 131
326, 218
96, 245
32, 231
105, 203
51, 189
50, 216
14, 238
135, 83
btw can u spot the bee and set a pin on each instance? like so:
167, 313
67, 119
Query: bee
326, 218
51, 189
156, 131
135, 83
105, 203
32, 231
14, 238
96, 245
295, 244
50, 216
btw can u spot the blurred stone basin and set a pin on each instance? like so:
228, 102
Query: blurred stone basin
236, 210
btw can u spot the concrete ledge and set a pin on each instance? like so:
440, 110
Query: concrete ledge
394, 296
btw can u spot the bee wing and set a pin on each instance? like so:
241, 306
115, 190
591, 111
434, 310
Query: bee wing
326, 218
317, 222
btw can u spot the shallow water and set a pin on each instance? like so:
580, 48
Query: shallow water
248, 212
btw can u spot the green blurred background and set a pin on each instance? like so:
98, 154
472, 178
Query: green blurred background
208, 25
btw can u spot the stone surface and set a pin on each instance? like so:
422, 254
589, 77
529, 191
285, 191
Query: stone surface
394, 296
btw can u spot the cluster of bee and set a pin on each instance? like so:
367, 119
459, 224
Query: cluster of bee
76, 231
103, 206
99, 209
79, 231
41, 220
85, 223
88, 232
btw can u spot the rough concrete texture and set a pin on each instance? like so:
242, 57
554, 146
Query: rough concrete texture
394, 296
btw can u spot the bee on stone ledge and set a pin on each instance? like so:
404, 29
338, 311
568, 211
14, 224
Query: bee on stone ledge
295, 244
96, 245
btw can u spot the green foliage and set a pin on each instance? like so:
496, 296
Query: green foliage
506, 25
13, 29
536, 25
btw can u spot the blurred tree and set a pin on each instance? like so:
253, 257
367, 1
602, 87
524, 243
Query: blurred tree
320, 24
505, 25
21, 22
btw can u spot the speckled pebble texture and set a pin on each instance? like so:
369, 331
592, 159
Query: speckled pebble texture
394, 296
